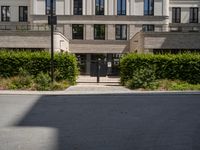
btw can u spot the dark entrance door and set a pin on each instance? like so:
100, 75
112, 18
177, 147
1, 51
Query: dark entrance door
94, 64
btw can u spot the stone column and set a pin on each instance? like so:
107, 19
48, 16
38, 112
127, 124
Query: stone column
111, 32
67, 7
84, 6
105, 7
127, 7
166, 13
165, 7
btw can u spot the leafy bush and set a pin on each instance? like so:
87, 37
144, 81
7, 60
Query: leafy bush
23, 81
142, 78
185, 67
36, 62
42, 81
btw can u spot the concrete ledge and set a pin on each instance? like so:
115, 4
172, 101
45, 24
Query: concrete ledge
88, 93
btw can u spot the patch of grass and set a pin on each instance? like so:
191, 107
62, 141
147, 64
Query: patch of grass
42, 82
170, 85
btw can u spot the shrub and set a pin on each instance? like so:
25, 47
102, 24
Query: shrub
142, 78
36, 62
185, 67
43, 81
23, 81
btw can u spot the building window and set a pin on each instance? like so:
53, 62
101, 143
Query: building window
99, 7
176, 15
78, 5
5, 13
194, 15
148, 27
48, 7
77, 31
99, 32
121, 7
148, 7
121, 32
23, 13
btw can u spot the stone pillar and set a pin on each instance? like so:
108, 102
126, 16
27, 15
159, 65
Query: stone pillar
84, 6
72, 7
132, 7
105, 7
115, 7
67, 7
111, 32
166, 13
68, 31
89, 32
127, 7
110, 7
165, 7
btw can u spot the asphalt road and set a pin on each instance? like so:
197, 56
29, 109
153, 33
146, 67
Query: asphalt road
101, 122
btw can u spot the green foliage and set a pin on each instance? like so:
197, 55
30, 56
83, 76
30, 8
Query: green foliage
36, 62
23, 81
142, 78
42, 81
184, 67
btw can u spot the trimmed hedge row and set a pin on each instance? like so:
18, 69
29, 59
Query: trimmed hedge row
36, 62
185, 67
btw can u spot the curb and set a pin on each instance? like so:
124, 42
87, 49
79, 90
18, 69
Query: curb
63, 93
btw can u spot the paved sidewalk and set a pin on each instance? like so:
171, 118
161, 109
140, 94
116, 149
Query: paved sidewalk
89, 79
95, 88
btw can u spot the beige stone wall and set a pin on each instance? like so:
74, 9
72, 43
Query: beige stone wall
98, 46
32, 39
146, 42
137, 43
172, 40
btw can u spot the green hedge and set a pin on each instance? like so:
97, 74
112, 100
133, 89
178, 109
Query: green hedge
185, 67
36, 62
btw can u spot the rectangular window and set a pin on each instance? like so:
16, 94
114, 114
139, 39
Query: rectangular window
99, 32
148, 7
121, 7
23, 13
78, 4
148, 27
176, 15
194, 15
48, 7
99, 7
77, 31
5, 13
121, 32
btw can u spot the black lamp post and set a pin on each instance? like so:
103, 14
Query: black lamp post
52, 22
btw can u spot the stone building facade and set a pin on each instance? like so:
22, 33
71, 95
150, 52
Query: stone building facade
104, 29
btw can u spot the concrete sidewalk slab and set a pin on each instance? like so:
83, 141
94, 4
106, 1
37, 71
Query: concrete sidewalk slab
28, 138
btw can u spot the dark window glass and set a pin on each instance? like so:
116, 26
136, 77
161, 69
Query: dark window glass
194, 15
99, 32
77, 31
5, 13
176, 15
23, 13
48, 7
148, 7
121, 32
148, 27
99, 7
121, 7
78, 4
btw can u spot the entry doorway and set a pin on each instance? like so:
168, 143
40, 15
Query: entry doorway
109, 64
